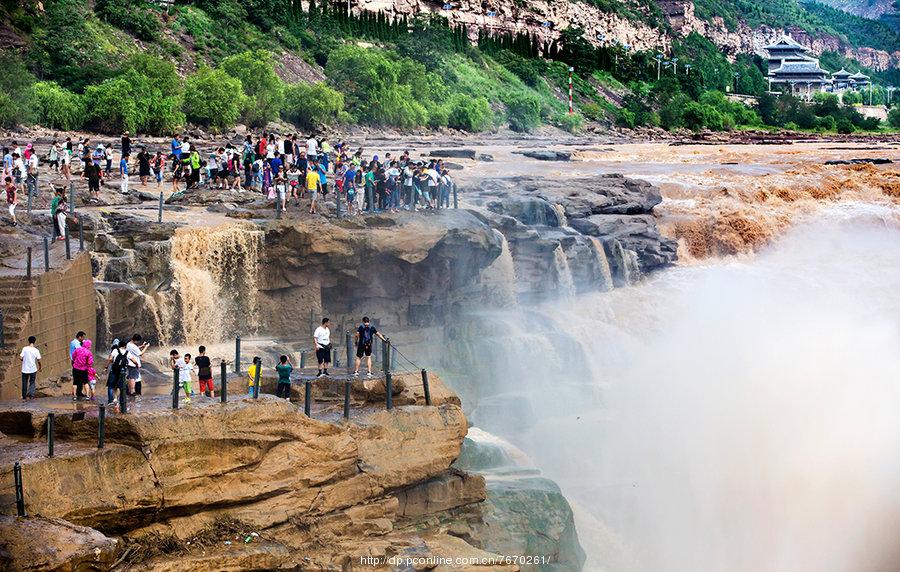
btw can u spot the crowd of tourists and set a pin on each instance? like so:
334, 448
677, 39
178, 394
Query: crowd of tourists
123, 366
289, 169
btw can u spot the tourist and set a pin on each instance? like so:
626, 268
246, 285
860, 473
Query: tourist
369, 178
126, 144
204, 373
136, 348
94, 174
18, 171
365, 336
184, 367
143, 158
123, 171
445, 189
108, 158
12, 199
322, 341
252, 372
7, 162
176, 147
53, 156
194, 178
31, 364
350, 187
281, 191
32, 172
65, 165
178, 168
312, 186
312, 149
117, 364
284, 369
82, 360
92, 382
158, 164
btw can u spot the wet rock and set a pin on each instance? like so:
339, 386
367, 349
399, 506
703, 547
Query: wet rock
873, 161
38, 543
450, 490
529, 210
637, 233
206, 196
453, 153
486, 158
547, 155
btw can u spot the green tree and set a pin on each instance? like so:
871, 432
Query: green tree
523, 111
113, 106
468, 113
894, 117
311, 105
262, 86
213, 98
56, 107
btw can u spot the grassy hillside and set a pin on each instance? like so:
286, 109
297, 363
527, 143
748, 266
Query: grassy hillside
858, 31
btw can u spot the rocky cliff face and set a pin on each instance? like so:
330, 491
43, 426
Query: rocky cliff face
316, 495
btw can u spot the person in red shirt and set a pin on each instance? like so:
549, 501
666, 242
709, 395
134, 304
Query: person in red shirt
12, 198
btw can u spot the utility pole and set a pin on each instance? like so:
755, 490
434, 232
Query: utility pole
675, 65
736, 75
571, 69
659, 59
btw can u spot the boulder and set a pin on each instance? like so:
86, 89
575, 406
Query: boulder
454, 153
206, 196
545, 155
38, 543
638, 234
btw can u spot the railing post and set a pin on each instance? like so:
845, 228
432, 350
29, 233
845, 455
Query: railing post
68, 245
2, 331
307, 398
277, 207
72, 197
28, 268
312, 327
370, 194
46, 254
80, 235
51, 417
386, 366
175, 387
159, 218
237, 354
123, 393
425, 386
101, 427
30, 193
256, 379
455, 197
337, 201
223, 390
347, 399
302, 359
349, 357
389, 390
20, 489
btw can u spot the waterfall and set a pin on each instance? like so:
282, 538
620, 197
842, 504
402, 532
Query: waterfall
214, 292
560, 211
605, 279
739, 416
499, 278
563, 272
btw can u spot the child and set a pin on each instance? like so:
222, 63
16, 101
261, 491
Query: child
284, 370
92, 382
281, 191
184, 372
123, 170
251, 371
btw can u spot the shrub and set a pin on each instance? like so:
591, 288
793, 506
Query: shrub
262, 86
845, 126
161, 74
469, 114
12, 113
894, 117
626, 118
851, 98
699, 115
869, 124
523, 111
311, 105
571, 122
131, 16
55, 107
826, 123
213, 98
112, 106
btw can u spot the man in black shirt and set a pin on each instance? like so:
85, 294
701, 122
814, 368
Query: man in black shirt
93, 173
365, 337
126, 145
204, 373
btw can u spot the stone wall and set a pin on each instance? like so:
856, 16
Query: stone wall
62, 302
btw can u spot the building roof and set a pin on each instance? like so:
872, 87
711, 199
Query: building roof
859, 75
841, 73
799, 68
786, 42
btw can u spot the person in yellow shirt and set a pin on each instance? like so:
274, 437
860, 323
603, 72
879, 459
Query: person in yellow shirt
312, 186
251, 372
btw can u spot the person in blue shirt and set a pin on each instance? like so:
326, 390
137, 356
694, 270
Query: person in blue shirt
76, 343
276, 164
123, 171
350, 187
323, 178
176, 146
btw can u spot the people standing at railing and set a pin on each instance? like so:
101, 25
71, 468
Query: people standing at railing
31, 365
74, 345
136, 348
322, 341
365, 337
185, 368
204, 373
117, 365
12, 199
82, 360
251, 372
284, 369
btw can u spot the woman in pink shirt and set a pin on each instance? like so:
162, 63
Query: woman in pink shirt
82, 360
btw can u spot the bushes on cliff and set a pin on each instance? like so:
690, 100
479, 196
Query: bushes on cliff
261, 85
523, 111
311, 105
131, 102
131, 15
213, 98
56, 107
469, 114
894, 117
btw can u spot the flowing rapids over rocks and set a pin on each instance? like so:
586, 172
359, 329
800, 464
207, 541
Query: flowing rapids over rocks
740, 416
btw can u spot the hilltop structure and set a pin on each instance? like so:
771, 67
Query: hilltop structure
790, 64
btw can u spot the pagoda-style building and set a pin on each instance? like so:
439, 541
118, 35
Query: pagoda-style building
790, 64
859, 80
840, 80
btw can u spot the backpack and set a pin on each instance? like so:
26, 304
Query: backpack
120, 363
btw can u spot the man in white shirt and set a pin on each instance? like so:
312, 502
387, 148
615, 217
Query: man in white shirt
31, 364
322, 340
312, 148
135, 350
